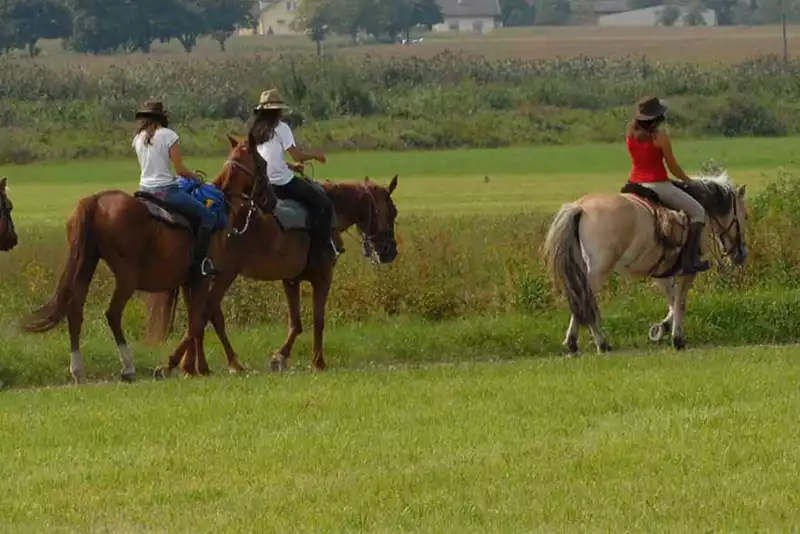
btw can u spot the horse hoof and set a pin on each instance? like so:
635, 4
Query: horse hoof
679, 343
572, 346
657, 332
128, 377
237, 369
277, 364
603, 348
571, 355
160, 373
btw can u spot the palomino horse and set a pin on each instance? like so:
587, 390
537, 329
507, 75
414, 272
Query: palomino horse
146, 248
275, 249
635, 236
8, 235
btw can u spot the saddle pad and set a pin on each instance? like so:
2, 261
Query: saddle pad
292, 215
158, 212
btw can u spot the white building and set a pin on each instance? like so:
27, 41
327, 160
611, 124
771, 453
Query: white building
469, 16
651, 16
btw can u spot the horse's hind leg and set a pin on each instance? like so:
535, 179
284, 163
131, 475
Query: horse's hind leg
597, 278
74, 324
659, 330
123, 292
571, 339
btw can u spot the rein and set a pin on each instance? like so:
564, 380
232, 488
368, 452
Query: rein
737, 240
251, 205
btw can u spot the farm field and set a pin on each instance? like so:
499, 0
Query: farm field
726, 44
697, 442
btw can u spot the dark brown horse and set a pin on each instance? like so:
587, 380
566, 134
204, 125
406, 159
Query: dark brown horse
8, 235
270, 252
142, 253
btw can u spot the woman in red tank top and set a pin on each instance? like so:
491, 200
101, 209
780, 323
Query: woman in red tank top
649, 150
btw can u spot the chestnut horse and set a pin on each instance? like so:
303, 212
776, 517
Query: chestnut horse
270, 253
142, 253
8, 235
633, 235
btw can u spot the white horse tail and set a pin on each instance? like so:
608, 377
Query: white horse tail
566, 265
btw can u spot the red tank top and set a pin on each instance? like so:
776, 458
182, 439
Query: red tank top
648, 162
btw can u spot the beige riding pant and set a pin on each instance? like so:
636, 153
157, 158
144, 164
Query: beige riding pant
676, 199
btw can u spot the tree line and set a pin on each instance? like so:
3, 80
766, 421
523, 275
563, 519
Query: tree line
105, 26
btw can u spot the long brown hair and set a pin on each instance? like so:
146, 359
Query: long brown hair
150, 125
643, 130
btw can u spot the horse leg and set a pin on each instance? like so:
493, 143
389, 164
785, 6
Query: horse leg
597, 278
571, 339
292, 290
321, 288
214, 307
195, 362
684, 284
75, 323
123, 291
659, 330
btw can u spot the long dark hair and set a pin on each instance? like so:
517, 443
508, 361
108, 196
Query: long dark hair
643, 130
264, 123
150, 125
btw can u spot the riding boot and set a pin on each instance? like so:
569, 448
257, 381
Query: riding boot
692, 261
201, 263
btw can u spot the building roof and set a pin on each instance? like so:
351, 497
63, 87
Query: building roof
469, 8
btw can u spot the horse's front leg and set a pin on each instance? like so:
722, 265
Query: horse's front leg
683, 285
660, 329
321, 288
292, 290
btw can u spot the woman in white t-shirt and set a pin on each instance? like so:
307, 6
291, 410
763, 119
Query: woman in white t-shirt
273, 138
156, 147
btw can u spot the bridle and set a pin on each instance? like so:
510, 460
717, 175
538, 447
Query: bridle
734, 224
252, 207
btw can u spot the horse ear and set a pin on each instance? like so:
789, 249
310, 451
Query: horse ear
393, 185
232, 140
741, 191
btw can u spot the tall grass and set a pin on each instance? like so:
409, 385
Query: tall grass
77, 110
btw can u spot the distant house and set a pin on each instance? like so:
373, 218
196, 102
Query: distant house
469, 16
275, 18
651, 16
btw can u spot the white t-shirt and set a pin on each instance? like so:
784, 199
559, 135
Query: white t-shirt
154, 158
278, 173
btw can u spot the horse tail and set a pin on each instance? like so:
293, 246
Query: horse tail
78, 272
566, 265
163, 307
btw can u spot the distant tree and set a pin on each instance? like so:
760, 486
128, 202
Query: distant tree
223, 17
553, 12
644, 4
726, 10
316, 18
24, 23
668, 16
517, 13
694, 17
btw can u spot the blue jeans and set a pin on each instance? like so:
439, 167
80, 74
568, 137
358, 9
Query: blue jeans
187, 204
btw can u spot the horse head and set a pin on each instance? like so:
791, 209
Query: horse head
370, 208
243, 176
726, 207
8, 235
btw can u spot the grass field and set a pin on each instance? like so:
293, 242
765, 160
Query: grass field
447, 416
699, 442
728, 44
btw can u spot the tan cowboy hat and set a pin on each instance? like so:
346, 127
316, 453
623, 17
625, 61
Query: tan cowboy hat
649, 108
270, 100
152, 108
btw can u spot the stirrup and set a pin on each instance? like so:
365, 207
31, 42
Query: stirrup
207, 267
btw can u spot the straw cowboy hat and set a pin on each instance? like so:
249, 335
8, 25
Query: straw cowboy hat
152, 109
270, 100
649, 108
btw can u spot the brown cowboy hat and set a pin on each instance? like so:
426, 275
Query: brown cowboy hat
649, 108
152, 108
270, 100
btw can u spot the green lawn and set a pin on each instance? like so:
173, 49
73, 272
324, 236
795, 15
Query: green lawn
441, 182
705, 441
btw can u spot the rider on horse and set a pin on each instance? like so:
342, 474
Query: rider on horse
649, 149
272, 137
156, 145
